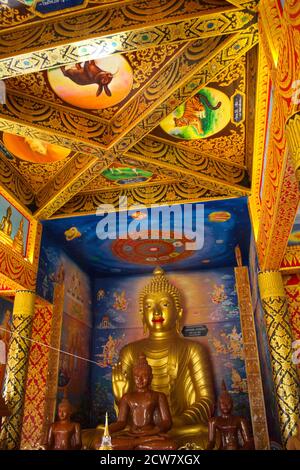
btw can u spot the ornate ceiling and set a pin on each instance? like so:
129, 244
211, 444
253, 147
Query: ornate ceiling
152, 100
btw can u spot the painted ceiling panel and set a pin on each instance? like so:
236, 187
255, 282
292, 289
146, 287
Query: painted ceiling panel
226, 224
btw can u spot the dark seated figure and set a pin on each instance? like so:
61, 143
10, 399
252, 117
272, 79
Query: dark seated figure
64, 434
145, 412
227, 427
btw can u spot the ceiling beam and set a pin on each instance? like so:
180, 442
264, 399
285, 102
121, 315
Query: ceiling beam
187, 161
188, 176
14, 182
153, 194
87, 36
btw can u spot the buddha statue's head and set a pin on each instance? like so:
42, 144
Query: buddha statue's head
64, 410
160, 304
142, 373
225, 401
9, 212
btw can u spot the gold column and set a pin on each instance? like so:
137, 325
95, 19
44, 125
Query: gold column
293, 137
280, 343
16, 368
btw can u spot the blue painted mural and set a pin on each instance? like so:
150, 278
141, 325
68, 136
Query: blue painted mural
137, 241
73, 378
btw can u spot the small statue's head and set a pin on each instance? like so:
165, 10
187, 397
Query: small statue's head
9, 211
142, 373
160, 304
64, 409
225, 401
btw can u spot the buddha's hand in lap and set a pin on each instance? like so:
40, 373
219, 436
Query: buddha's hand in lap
120, 384
146, 432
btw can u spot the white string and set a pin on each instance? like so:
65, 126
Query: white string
49, 346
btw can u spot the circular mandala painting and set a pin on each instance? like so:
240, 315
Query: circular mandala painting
151, 252
94, 84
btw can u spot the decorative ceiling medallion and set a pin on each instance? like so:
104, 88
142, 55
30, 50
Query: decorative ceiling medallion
203, 115
94, 84
34, 150
151, 252
126, 175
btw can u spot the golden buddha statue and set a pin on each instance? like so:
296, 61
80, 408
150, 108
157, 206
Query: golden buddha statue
181, 367
18, 244
6, 224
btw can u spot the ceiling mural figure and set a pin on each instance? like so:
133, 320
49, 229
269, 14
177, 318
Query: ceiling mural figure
203, 115
88, 74
93, 84
34, 150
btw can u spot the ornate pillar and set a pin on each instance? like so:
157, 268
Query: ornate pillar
280, 344
16, 368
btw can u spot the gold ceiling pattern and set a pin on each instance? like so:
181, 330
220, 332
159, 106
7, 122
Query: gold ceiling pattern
161, 118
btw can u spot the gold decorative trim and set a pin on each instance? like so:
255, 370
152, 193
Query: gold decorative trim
252, 364
270, 284
167, 194
270, 17
29, 51
170, 156
261, 118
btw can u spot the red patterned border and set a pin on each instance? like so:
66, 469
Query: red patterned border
16, 268
36, 387
291, 260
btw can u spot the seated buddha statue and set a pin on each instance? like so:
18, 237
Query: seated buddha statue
64, 434
227, 427
181, 367
147, 414
6, 224
18, 238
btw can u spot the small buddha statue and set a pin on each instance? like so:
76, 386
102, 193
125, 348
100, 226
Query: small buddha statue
18, 244
293, 442
6, 224
227, 427
181, 367
64, 434
147, 414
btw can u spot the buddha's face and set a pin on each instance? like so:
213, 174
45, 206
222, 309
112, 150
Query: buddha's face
225, 404
64, 412
159, 311
142, 378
